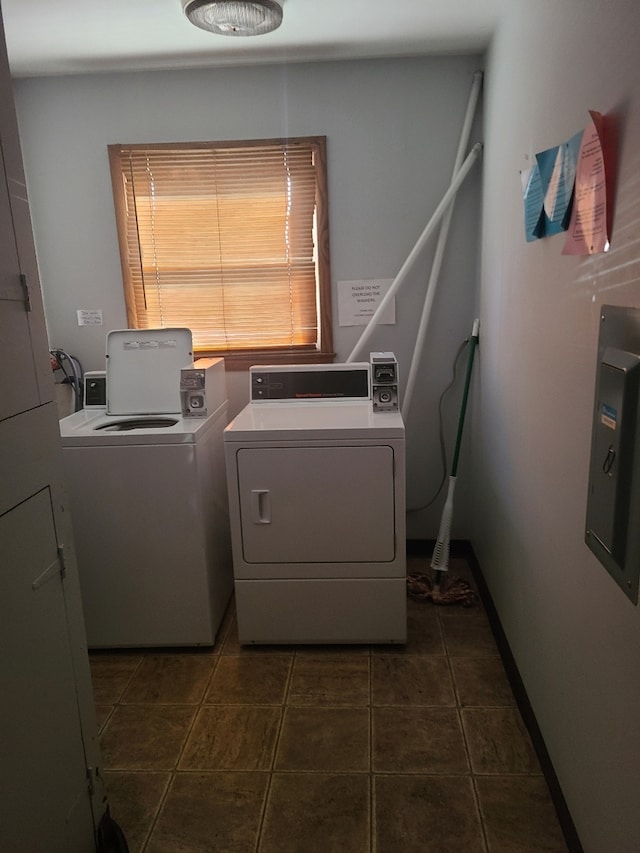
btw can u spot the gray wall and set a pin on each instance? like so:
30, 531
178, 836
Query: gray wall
392, 127
575, 636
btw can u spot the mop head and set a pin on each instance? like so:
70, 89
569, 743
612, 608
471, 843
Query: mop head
449, 591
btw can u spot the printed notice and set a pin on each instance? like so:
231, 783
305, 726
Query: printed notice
557, 174
89, 318
588, 231
358, 301
533, 203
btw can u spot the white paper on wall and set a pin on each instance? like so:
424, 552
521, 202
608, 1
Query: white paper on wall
358, 300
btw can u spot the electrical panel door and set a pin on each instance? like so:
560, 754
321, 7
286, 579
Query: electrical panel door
613, 450
614, 473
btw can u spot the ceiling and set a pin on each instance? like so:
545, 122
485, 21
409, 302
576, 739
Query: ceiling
46, 37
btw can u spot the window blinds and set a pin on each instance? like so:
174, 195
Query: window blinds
222, 238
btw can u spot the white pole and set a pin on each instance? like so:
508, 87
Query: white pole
439, 251
428, 231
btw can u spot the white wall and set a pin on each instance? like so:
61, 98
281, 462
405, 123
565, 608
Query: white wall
392, 127
575, 635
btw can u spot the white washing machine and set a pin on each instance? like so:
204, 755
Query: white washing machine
317, 503
149, 505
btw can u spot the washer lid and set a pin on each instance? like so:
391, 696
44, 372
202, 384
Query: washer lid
143, 370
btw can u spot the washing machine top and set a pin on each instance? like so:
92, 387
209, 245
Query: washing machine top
93, 427
143, 370
313, 420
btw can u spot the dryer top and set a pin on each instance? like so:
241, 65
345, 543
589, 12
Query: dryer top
313, 421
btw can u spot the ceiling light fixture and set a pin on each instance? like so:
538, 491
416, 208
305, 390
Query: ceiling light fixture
234, 17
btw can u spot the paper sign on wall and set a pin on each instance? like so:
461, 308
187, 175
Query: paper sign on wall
548, 189
569, 189
358, 300
589, 225
533, 203
557, 173
91, 317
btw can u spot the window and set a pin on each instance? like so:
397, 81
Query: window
231, 240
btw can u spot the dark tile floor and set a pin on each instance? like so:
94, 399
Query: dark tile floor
336, 750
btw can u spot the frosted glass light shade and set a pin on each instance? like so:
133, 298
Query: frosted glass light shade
234, 17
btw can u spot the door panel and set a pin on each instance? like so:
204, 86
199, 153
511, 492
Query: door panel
34, 378
20, 389
42, 754
317, 504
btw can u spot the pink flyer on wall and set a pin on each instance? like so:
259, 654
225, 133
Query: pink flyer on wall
588, 231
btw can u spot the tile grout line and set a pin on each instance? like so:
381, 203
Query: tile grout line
465, 740
153, 823
276, 745
119, 704
172, 773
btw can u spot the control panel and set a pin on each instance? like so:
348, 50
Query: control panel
202, 387
282, 383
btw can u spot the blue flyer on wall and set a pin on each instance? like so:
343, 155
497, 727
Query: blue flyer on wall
533, 203
557, 174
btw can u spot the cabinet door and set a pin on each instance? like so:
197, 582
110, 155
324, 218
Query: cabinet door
20, 389
317, 504
27, 378
43, 783
48, 734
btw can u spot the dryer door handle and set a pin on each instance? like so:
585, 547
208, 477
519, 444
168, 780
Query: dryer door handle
260, 506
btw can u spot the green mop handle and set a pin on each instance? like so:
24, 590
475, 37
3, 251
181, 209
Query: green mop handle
473, 343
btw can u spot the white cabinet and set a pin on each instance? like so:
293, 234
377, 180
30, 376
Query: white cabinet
50, 788
27, 379
45, 803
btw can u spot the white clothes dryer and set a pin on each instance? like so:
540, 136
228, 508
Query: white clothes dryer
149, 507
316, 484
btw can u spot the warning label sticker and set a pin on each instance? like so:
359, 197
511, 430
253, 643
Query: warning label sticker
609, 416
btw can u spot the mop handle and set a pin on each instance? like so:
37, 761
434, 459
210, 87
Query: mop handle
465, 394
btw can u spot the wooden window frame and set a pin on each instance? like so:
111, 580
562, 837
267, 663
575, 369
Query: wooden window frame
322, 350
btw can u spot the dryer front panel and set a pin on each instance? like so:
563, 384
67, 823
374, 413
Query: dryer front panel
310, 505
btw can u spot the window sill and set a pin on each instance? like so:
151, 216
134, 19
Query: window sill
244, 360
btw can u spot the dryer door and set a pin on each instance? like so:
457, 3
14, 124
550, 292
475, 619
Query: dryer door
319, 504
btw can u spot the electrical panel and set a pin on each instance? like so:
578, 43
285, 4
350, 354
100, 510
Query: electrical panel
613, 501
